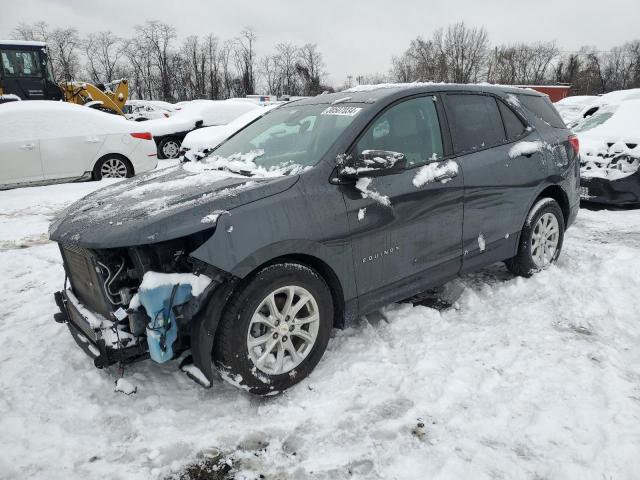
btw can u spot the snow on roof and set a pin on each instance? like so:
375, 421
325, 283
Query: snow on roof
379, 86
46, 119
210, 112
23, 43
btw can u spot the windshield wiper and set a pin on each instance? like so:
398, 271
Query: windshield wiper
244, 173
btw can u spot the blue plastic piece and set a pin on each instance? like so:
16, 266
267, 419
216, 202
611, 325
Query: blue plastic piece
162, 330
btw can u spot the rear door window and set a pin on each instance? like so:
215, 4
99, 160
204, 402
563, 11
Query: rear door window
474, 121
542, 108
512, 124
411, 127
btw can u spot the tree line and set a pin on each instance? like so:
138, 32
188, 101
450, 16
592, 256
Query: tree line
158, 66
463, 54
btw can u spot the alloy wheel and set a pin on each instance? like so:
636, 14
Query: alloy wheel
544, 240
171, 149
283, 330
113, 168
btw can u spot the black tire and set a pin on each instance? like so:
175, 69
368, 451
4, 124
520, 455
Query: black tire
523, 263
231, 352
171, 152
116, 159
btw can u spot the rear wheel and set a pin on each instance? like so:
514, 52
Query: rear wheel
274, 329
169, 147
541, 239
112, 166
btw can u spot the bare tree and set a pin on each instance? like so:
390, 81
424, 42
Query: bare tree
63, 46
310, 68
103, 51
245, 60
463, 51
521, 64
157, 38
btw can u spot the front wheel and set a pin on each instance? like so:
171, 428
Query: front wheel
541, 239
275, 329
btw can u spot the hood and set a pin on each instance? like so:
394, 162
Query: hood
160, 205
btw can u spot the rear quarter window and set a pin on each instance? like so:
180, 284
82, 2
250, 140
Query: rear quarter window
542, 108
512, 124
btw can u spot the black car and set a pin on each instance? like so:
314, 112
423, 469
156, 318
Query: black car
321, 211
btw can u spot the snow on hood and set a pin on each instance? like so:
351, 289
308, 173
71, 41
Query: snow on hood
160, 205
209, 112
611, 148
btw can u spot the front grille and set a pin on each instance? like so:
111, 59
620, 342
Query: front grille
80, 265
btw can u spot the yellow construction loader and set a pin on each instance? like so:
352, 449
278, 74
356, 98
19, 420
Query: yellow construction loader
109, 97
25, 74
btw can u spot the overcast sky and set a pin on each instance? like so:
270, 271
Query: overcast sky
355, 37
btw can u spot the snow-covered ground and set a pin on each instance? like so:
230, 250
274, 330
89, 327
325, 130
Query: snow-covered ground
523, 378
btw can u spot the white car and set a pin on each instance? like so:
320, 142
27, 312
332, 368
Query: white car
610, 153
44, 141
169, 132
200, 142
570, 108
141, 110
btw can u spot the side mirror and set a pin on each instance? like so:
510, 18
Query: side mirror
371, 163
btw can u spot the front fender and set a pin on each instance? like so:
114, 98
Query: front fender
294, 222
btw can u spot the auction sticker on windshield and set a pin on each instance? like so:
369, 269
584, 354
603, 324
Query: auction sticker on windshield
341, 110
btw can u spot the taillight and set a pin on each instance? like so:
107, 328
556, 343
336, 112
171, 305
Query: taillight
575, 144
143, 136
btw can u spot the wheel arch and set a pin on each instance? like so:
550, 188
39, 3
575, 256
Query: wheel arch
321, 268
205, 325
558, 194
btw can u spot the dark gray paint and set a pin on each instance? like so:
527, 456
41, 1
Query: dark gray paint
309, 215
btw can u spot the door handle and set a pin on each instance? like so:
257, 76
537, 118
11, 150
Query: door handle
27, 146
447, 174
92, 140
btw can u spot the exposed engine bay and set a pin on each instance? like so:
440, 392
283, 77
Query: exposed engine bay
127, 304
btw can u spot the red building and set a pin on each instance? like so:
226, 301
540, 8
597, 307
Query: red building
555, 92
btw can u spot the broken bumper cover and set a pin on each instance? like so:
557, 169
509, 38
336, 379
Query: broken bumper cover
624, 191
90, 339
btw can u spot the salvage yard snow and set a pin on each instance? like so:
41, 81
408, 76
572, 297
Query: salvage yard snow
523, 378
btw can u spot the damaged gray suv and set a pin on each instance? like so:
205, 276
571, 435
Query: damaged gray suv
323, 210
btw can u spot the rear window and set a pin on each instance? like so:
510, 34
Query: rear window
542, 108
475, 121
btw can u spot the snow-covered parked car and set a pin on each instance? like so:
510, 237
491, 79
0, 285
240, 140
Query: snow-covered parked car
170, 132
199, 143
142, 110
43, 141
322, 211
570, 108
610, 154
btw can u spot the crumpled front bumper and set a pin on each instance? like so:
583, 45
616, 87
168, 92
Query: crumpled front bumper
90, 339
624, 191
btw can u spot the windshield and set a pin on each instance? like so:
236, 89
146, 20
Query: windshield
287, 140
19, 63
594, 121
